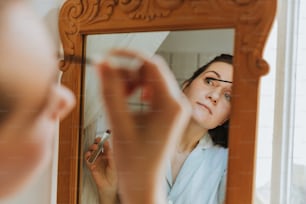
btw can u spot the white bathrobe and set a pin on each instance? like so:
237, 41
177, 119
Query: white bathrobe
202, 178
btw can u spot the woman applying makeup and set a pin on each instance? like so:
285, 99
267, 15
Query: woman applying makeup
196, 171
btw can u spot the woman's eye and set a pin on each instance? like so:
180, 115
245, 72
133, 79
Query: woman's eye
209, 81
228, 97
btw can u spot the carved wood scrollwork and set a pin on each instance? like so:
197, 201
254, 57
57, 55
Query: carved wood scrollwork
86, 12
205, 6
76, 13
148, 10
251, 19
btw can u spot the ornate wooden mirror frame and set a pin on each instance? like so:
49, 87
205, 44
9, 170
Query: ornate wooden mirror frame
251, 19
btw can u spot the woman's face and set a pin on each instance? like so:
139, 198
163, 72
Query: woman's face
30, 76
210, 98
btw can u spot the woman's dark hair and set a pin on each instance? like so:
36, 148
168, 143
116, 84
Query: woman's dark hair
218, 134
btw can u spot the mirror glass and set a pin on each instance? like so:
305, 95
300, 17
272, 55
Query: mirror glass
184, 51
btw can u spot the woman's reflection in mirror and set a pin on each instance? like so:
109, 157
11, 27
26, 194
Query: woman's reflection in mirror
196, 172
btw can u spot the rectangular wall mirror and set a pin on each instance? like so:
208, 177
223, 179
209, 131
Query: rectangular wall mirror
187, 34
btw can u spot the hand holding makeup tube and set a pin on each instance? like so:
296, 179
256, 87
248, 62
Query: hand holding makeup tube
103, 172
142, 141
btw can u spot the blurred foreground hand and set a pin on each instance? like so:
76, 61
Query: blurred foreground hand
142, 141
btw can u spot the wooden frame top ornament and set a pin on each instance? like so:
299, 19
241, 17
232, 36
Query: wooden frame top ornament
251, 21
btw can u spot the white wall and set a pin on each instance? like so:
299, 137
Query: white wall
202, 41
281, 174
265, 123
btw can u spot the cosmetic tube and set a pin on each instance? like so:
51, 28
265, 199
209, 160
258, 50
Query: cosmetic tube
96, 153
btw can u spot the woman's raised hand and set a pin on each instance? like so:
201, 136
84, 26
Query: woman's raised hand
142, 141
103, 172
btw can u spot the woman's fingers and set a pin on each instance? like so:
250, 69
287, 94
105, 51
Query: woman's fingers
162, 73
154, 75
87, 155
93, 147
154, 71
97, 140
90, 166
114, 98
106, 148
108, 153
166, 103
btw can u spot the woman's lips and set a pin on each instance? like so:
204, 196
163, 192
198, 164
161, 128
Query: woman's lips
205, 106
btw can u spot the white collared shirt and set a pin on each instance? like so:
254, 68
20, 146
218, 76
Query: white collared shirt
202, 177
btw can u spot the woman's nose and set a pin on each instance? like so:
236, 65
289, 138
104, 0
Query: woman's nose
213, 96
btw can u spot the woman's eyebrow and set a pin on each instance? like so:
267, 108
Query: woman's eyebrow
219, 76
216, 73
211, 78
